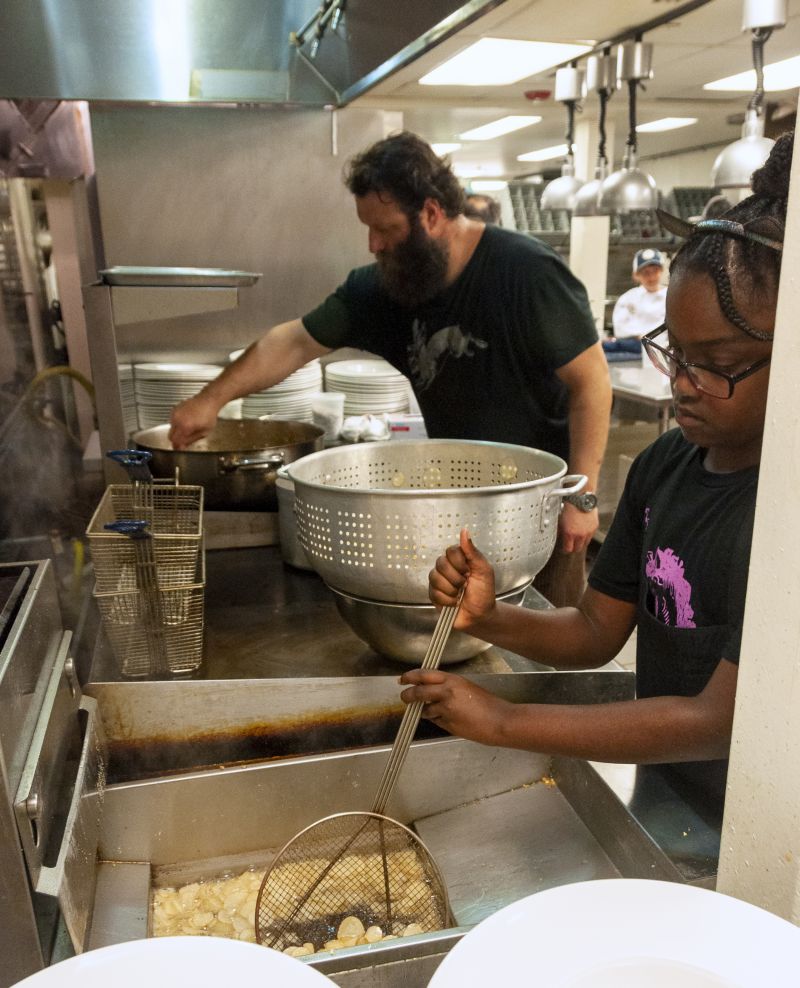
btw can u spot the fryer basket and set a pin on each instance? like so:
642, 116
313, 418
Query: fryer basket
126, 619
174, 516
373, 517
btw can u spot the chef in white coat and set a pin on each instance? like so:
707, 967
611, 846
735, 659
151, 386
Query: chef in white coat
640, 309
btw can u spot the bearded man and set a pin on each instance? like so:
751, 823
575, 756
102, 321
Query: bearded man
489, 325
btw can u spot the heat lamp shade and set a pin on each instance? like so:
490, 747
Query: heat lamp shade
561, 192
627, 189
735, 164
586, 199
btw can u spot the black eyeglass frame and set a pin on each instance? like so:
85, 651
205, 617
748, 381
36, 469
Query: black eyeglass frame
648, 341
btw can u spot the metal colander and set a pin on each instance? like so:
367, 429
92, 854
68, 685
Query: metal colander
373, 517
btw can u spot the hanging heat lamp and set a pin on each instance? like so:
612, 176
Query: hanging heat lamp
735, 165
630, 188
600, 77
560, 193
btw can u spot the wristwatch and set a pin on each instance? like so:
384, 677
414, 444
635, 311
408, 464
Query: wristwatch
586, 501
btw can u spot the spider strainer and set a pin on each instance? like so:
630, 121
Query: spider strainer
358, 864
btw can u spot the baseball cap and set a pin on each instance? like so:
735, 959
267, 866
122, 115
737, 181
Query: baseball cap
649, 255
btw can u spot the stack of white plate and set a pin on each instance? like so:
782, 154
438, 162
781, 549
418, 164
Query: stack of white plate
130, 418
370, 386
290, 399
159, 387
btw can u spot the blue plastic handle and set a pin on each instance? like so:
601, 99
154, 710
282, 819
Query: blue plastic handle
135, 529
135, 462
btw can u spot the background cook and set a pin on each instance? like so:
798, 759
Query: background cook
493, 331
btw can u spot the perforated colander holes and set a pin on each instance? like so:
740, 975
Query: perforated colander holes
314, 530
465, 473
355, 538
400, 546
449, 524
510, 533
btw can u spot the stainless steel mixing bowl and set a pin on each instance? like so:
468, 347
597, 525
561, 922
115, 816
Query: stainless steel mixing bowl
403, 631
373, 517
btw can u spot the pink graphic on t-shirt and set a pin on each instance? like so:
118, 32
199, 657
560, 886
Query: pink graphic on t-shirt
670, 591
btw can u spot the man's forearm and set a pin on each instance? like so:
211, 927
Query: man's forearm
589, 414
266, 362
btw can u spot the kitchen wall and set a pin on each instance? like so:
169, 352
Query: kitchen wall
692, 168
254, 189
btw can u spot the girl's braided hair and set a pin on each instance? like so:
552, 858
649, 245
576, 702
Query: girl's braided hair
740, 267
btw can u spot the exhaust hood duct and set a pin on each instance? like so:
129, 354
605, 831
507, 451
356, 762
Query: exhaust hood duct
630, 188
213, 52
560, 193
735, 165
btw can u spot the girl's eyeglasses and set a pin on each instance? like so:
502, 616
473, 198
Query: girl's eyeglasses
709, 380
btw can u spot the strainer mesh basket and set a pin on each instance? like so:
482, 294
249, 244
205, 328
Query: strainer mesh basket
352, 864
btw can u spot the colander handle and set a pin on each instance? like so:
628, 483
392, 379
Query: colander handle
572, 483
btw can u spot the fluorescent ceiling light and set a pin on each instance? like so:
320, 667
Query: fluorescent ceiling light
544, 154
487, 185
441, 149
778, 76
499, 62
471, 171
665, 123
505, 125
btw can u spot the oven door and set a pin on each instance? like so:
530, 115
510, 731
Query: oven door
59, 801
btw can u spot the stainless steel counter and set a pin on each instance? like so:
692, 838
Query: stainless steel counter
267, 620
290, 719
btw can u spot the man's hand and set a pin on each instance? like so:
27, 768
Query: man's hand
192, 420
576, 527
457, 705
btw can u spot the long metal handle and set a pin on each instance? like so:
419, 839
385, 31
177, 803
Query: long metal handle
413, 712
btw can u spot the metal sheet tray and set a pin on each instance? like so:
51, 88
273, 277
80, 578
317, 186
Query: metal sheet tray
177, 277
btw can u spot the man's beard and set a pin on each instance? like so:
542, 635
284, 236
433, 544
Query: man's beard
414, 271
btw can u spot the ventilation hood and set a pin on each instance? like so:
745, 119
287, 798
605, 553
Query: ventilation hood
213, 51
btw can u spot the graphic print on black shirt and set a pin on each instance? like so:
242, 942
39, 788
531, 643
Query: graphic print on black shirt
669, 594
426, 356
483, 355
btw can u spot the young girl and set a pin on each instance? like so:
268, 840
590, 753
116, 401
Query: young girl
674, 564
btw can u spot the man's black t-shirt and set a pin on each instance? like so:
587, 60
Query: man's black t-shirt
679, 548
482, 355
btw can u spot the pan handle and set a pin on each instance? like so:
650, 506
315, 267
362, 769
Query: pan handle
230, 464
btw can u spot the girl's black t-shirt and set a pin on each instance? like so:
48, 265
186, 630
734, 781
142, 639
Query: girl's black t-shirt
679, 548
482, 355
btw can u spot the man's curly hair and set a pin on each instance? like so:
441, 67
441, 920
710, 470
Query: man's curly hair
404, 167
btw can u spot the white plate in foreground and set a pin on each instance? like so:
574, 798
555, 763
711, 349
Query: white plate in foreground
202, 962
626, 933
